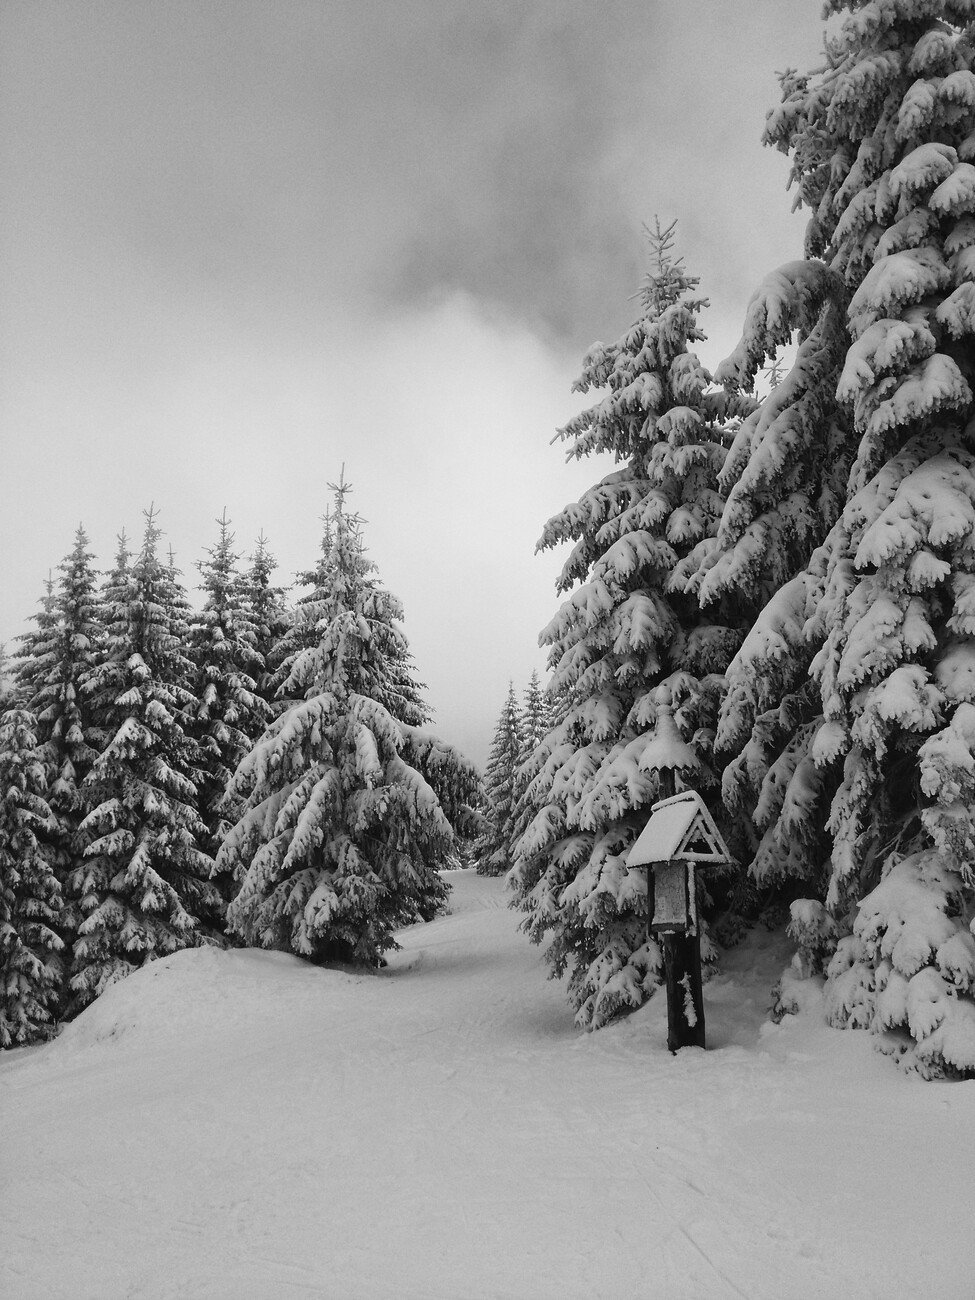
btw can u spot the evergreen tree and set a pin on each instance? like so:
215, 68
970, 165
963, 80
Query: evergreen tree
492, 851
351, 809
227, 711
537, 720
30, 894
882, 143
536, 717
269, 612
784, 483
36, 647
301, 631
143, 884
62, 705
56, 672
632, 624
6, 681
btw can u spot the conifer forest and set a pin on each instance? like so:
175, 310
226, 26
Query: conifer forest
785, 547
366, 931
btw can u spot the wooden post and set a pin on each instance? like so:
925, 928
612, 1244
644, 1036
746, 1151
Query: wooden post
685, 999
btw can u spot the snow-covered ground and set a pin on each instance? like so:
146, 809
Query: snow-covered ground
241, 1124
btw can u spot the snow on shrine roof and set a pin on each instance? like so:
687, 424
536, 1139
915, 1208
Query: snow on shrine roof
675, 825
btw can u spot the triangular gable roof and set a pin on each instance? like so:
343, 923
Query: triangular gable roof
679, 827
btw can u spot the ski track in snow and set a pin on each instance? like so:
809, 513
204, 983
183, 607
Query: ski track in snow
241, 1125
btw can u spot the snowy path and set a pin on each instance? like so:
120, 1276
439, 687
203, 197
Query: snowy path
241, 1125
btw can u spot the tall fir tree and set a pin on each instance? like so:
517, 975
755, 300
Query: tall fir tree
301, 631
351, 809
227, 711
633, 623
537, 720
882, 142
6, 680
536, 717
30, 893
56, 671
144, 881
493, 849
270, 613
784, 483
37, 647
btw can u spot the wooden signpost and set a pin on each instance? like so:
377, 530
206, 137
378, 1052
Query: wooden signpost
679, 838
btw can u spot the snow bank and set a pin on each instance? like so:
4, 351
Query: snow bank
241, 1124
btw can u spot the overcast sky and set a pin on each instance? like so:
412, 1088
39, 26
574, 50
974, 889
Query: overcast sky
243, 242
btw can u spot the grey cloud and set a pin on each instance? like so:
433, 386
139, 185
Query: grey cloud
288, 160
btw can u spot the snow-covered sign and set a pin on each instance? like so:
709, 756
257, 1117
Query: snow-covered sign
679, 837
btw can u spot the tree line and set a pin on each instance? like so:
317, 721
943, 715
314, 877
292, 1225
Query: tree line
246, 773
794, 571
797, 570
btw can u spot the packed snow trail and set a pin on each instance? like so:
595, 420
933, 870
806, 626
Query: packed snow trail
244, 1126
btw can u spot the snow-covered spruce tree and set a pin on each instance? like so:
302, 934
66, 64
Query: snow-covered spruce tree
300, 631
269, 611
883, 143
351, 809
492, 851
144, 884
6, 681
784, 482
35, 648
55, 669
30, 894
227, 712
537, 720
632, 624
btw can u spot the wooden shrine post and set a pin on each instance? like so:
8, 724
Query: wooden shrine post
679, 838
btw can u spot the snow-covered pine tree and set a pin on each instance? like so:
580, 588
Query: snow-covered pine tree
269, 611
30, 894
784, 482
300, 631
62, 706
6, 681
144, 881
632, 624
492, 850
228, 713
536, 717
36, 647
537, 720
883, 143
351, 809
56, 665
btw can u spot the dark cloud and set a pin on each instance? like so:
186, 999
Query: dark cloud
288, 158
221, 224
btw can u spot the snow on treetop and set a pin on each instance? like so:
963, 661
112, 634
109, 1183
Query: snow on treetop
880, 15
